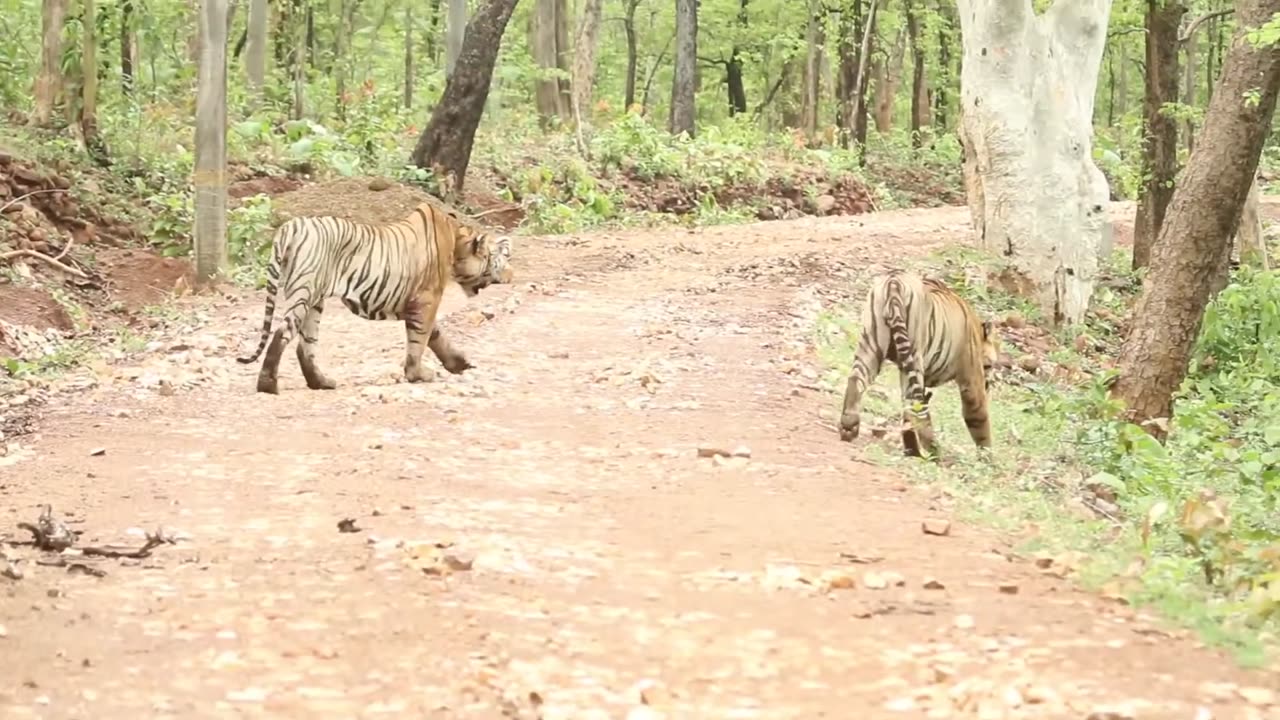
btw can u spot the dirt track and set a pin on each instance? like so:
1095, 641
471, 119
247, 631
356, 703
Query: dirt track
607, 555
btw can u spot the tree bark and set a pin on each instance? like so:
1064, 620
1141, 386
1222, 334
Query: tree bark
860, 117
211, 143
455, 35
445, 144
1160, 152
809, 110
919, 86
94, 145
126, 47
1249, 239
584, 59
1202, 218
408, 55
887, 80
941, 97
1027, 84
543, 45
49, 79
629, 27
256, 48
684, 81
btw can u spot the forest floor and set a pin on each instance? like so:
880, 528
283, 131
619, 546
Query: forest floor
550, 534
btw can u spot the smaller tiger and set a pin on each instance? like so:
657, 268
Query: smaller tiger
934, 337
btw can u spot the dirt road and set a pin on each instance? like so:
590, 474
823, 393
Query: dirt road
614, 572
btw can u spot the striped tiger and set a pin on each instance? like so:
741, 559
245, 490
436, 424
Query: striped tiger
389, 271
908, 319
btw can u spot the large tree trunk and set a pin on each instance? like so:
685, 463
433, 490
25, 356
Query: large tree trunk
812, 72
49, 79
584, 59
1027, 87
919, 85
629, 26
1203, 216
256, 48
1160, 153
445, 144
888, 76
684, 81
211, 143
544, 46
455, 35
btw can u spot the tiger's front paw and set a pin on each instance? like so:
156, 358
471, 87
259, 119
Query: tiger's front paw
849, 425
418, 373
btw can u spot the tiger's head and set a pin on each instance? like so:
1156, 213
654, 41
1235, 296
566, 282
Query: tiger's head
480, 260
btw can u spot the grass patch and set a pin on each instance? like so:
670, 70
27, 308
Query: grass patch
1189, 528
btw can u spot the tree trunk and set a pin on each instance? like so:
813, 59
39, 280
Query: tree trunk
1249, 239
445, 144
1189, 91
126, 47
919, 88
1027, 87
887, 80
629, 27
256, 48
543, 45
49, 79
211, 143
1160, 153
941, 103
683, 85
93, 142
1122, 76
1203, 216
812, 72
347, 10
455, 36
584, 59
300, 59
408, 55
860, 88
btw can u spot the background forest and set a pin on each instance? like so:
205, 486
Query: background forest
800, 108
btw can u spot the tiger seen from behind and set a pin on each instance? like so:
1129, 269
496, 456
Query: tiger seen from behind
934, 337
391, 271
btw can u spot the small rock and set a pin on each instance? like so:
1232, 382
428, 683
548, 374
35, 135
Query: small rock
933, 584
964, 622
1111, 713
348, 525
1009, 588
936, 527
901, 704
379, 184
97, 451
1015, 320
652, 693
1030, 363
824, 204
4, 632
874, 581
837, 580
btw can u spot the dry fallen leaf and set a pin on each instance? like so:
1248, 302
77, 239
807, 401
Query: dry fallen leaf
935, 526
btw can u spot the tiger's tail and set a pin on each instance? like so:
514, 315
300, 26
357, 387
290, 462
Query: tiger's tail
900, 335
279, 256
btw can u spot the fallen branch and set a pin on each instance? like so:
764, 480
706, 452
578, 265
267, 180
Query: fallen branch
54, 262
118, 551
493, 211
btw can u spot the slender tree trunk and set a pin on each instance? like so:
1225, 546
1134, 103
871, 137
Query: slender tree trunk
809, 111
93, 142
1189, 91
584, 59
211, 143
684, 82
1160, 152
1249, 238
49, 80
1122, 78
1028, 82
408, 54
433, 33
564, 55
543, 45
256, 48
445, 144
300, 60
126, 47
919, 87
1202, 218
946, 32
887, 81
629, 27
455, 34
860, 86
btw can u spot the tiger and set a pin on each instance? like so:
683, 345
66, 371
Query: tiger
388, 271
907, 318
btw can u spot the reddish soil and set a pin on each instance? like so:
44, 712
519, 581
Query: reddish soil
613, 571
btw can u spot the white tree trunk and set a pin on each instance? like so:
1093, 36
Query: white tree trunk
256, 47
1249, 240
455, 29
1027, 88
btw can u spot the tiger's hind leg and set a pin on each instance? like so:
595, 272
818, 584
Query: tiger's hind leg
310, 338
269, 375
419, 317
917, 426
452, 360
